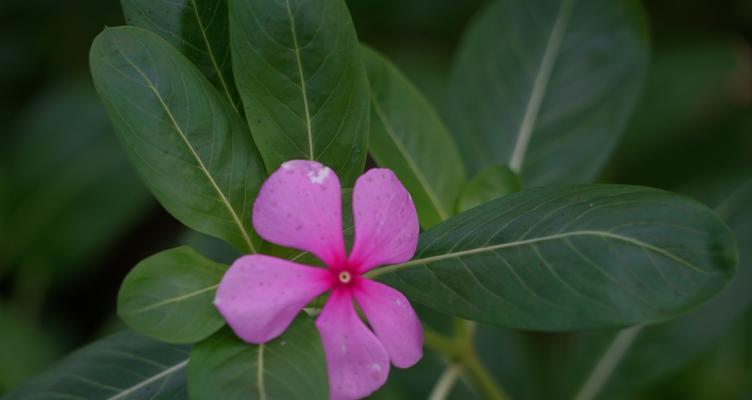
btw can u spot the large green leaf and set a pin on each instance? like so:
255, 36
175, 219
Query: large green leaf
408, 137
124, 366
198, 28
182, 136
546, 86
655, 351
169, 296
289, 367
567, 258
299, 72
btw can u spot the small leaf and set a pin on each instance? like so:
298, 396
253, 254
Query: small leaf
289, 367
491, 183
198, 28
546, 87
185, 141
298, 69
124, 366
408, 137
569, 258
169, 296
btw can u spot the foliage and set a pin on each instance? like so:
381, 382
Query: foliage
207, 97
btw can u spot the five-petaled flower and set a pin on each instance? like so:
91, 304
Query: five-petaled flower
300, 206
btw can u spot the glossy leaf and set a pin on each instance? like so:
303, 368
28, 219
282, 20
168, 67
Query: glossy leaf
568, 258
551, 92
124, 366
658, 350
299, 72
169, 296
289, 367
491, 183
408, 137
198, 28
182, 136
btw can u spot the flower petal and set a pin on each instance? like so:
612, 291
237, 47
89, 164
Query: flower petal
259, 296
393, 320
356, 360
300, 206
386, 224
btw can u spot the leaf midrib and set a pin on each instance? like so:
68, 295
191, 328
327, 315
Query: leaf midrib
174, 299
260, 372
203, 168
395, 268
540, 83
443, 214
302, 81
146, 382
213, 59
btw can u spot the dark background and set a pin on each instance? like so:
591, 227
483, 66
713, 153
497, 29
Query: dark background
74, 218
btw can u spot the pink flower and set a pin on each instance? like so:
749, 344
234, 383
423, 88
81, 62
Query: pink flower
300, 206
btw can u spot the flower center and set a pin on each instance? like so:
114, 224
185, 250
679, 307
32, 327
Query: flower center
345, 277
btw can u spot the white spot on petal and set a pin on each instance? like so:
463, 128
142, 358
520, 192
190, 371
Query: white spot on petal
376, 367
286, 166
343, 348
318, 177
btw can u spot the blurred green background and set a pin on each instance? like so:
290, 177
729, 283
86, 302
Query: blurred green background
74, 218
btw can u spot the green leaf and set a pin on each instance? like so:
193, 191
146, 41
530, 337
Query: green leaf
124, 366
169, 296
551, 92
408, 137
658, 350
182, 136
198, 28
299, 72
289, 367
491, 183
69, 193
568, 258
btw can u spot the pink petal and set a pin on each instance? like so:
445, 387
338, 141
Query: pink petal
300, 206
386, 224
259, 296
393, 320
356, 360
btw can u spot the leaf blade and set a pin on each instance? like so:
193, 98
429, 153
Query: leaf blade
303, 83
289, 367
96, 372
198, 28
547, 99
408, 137
169, 296
186, 144
570, 258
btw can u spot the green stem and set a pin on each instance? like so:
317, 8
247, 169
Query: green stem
459, 349
481, 378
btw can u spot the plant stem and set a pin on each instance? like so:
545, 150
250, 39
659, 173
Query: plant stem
481, 378
446, 382
459, 350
